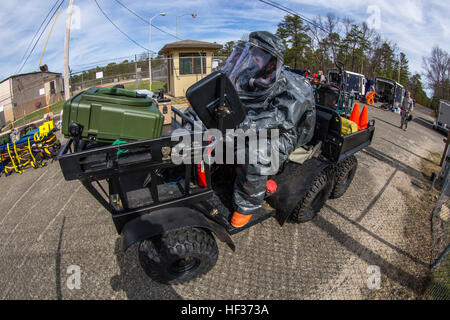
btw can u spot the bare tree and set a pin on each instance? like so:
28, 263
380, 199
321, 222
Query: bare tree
437, 71
332, 27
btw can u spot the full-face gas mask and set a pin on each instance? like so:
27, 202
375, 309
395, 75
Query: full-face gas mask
252, 69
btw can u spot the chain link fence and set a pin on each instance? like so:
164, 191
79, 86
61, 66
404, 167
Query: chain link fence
133, 74
439, 287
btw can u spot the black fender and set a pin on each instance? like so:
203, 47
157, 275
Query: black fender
293, 184
161, 221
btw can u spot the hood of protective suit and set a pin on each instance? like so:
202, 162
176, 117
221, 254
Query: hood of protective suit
273, 99
255, 65
288, 107
269, 42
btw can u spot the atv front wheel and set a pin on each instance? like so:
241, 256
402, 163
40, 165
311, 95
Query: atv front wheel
178, 256
315, 198
345, 172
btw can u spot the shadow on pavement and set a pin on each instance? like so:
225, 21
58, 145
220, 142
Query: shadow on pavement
376, 198
133, 280
376, 237
394, 163
395, 126
58, 262
423, 122
416, 284
409, 151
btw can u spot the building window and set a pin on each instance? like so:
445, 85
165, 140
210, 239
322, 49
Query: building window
190, 63
52, 87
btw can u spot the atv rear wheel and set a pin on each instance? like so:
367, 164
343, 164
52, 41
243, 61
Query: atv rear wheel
315, 198
344, 174
178, 256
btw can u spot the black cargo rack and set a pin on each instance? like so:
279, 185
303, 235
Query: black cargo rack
336, 147
132, 183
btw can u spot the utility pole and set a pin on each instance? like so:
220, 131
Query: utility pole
399, 65
66, 51
135, 70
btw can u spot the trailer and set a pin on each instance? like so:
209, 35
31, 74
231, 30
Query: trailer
390, 92
442, 121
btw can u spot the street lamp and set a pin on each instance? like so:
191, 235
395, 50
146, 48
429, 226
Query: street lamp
149, 51
194, 15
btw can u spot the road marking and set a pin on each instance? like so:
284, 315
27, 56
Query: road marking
295, 245
22, 196
39, 238
26, 214
59, 212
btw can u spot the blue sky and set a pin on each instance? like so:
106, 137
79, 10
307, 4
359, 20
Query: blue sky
416, 26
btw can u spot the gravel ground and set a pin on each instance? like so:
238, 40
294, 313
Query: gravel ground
48, 224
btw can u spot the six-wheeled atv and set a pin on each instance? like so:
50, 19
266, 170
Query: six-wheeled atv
174, 218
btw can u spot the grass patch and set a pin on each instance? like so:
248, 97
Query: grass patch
428, 167
417, 235
55, 108
144, 85
439, 287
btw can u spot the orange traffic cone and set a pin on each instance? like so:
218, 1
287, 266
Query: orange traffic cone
355, 114
48, 112
363, 119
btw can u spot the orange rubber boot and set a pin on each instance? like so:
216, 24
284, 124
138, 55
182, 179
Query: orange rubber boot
239, 220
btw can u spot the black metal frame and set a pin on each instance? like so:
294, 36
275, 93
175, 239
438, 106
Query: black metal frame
91, 166
336, 147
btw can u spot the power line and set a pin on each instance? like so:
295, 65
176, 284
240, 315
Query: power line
147, 22
22, 64
126, 35
102, 61
34, 37
292, 12
40, 35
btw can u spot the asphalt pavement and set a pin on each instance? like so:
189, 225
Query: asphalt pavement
50, 227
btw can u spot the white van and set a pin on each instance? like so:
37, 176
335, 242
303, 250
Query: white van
355, 82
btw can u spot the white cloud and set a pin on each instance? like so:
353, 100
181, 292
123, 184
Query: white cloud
416, 26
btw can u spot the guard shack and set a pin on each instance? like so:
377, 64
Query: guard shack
188, 62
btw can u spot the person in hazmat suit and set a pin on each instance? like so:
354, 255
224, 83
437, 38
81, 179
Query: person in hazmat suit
273, 98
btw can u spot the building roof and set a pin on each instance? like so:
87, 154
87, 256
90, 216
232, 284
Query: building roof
26, 74
189, 44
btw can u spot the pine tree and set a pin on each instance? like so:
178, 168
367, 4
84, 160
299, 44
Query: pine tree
417, 92
296, 40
